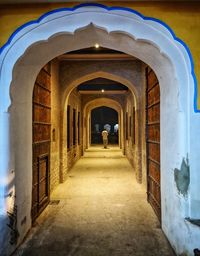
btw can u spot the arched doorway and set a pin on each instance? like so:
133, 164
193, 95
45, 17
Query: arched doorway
104, 118
82, 77
107, 102
157, 47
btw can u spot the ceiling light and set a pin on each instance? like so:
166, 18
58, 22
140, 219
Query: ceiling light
96, 46
102, 90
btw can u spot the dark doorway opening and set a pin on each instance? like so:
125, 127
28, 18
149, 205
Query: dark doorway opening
104, 118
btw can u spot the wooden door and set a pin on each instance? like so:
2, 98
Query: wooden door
41, 141
153, 140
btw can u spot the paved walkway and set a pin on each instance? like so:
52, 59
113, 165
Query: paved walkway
102, 212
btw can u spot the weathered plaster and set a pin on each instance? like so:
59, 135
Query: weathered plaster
182, 177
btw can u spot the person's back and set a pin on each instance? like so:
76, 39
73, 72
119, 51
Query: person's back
105, 138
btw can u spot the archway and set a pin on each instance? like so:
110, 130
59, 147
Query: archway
107, 103
82, 77
146, 39
103, 118
69, 86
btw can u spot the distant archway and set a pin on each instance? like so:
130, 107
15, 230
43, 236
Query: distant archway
81, 78
105, 118
107, 102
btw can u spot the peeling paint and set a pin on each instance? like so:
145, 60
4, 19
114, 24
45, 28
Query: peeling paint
184, 254
182, 177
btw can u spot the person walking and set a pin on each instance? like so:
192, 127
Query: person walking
105, 138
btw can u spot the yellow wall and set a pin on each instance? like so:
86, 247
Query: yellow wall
183, 18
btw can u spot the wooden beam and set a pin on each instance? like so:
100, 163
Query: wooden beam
104, 92
96, 56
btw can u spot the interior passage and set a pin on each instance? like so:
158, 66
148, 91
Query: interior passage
99, 210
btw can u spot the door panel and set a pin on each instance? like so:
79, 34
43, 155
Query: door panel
153, 140
41, 114
41, 141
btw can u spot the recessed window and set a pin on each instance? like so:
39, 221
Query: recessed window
79, 128
68, 127
126, 126
130, 127
74, 126
133, 126
54, 135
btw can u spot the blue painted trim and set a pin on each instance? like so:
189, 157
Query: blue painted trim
110, 9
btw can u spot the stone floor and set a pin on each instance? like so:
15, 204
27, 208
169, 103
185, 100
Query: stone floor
102, 211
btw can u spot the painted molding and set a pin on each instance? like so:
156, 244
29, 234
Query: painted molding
150, 21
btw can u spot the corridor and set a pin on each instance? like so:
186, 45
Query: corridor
102, 210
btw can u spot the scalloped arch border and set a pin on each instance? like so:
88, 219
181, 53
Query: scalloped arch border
37, 21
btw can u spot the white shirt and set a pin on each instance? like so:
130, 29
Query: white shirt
104, 134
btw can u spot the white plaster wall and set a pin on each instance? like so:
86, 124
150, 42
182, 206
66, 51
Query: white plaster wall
156, 47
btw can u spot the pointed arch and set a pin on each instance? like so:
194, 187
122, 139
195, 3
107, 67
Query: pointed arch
118, 28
